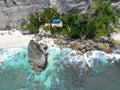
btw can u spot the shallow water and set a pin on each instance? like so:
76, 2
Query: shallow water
65, 71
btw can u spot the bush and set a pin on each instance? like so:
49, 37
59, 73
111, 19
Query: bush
75, 24
53, 30
48, 14
56, 30
46, 27
31, 23
35, 19
103, 17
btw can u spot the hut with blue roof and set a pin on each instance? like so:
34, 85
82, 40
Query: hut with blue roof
55, 20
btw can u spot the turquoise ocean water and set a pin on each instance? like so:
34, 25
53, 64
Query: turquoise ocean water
65, 71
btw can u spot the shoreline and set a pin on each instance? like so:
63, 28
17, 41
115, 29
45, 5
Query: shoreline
14, 38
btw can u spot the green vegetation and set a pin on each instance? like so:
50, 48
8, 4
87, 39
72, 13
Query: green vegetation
77, 24
48, 14
54, 30
103, 17
98, 21
46, 28
35, 19
31, 23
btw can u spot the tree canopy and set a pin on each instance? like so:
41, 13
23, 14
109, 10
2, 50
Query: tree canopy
98, 21
49, 13
31, 23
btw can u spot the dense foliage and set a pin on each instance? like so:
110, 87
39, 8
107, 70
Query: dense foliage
35, 19
98, 21
48, 14
53, 30
31, 23
77, 26
103, 17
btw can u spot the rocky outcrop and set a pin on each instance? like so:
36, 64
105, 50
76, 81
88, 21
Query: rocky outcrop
84, 46
104, 47
37, 56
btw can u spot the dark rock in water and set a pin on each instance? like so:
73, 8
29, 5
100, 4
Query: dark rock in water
37, 56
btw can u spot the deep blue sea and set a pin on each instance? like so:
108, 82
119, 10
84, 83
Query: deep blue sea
65, 71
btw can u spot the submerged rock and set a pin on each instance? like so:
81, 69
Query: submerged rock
37, 56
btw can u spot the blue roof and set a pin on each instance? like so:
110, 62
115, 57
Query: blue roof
55, 20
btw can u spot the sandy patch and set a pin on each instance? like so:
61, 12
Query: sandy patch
13, 38
116, 36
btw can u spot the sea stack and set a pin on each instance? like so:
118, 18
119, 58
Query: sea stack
37, 56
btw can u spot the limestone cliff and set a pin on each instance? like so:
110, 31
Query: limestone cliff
12, 11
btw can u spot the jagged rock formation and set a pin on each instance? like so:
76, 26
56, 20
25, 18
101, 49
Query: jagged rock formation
12, 11
37, 56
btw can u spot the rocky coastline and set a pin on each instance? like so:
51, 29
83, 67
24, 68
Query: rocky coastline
81, 46
13, 11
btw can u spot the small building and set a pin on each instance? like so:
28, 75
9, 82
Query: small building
55, 20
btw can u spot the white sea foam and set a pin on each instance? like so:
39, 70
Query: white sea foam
6, 54
67, 55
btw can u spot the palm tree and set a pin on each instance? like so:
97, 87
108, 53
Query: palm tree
32, 22
50, 13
